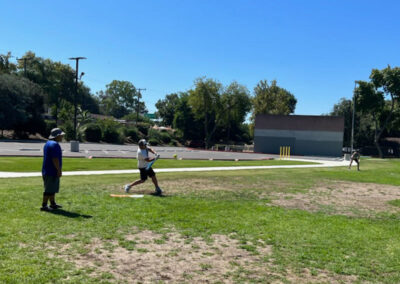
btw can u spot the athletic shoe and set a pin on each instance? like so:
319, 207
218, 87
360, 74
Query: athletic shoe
158, 190
46, 208
55, 206
127, 187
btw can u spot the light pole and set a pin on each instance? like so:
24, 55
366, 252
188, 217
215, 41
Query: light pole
75, 143
25, 59
352, 120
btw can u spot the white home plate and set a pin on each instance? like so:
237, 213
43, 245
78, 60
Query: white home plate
137, 196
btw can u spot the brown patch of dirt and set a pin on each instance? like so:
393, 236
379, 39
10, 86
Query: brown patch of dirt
199, 185
172, 258
347, 198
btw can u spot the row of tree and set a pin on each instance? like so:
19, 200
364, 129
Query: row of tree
31, 86
208, 113
211, 112
377, 108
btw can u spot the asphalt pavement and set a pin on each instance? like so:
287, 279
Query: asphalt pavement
99, 150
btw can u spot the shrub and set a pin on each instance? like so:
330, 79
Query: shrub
93, 132
143, 127
154, 135
153, 142
132, 133
111, 135
69, 131
111, 132
173, 143
165, 137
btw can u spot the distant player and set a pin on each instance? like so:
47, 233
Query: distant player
355, 157
143, 160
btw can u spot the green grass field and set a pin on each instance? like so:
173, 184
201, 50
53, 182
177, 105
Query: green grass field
34, 164
247, 237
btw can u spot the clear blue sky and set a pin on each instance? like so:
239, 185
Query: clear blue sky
316, 49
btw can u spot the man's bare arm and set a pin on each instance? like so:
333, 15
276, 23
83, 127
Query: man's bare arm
56, 163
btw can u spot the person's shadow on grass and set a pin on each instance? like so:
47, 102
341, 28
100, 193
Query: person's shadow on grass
69, 214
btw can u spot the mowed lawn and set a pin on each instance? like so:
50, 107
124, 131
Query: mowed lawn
215, 226
34, 164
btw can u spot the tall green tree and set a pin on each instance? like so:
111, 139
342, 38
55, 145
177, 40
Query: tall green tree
384, 85
236, 104
121, 98
363, 133
205, 100
7, 67
166, 108
344, 108
184, 119
21, 105
272, 99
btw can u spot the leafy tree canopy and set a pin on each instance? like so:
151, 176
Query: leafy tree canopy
166, 108
371, 98
120, 99
21, 105
272, 99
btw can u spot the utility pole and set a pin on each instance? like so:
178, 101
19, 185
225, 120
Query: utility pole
352, 120
74, 149
25, 59
138, 105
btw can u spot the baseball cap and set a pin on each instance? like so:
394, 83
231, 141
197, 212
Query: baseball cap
142, 142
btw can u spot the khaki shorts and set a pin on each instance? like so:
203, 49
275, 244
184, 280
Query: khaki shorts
51, 184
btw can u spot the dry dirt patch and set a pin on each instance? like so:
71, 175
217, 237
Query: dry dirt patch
202, 185
172, 258
347, 198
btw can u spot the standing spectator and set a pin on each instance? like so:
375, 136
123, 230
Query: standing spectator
52, 169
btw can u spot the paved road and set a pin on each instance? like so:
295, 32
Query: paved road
23, 148
320, 164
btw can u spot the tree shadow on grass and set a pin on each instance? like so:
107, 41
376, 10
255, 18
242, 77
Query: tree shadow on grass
69, 214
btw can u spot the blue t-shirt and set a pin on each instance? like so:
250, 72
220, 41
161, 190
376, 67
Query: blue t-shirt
51, 150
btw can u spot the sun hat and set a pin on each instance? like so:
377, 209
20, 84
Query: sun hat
56, 132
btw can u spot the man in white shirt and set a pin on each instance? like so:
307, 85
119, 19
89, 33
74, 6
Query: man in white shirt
143, 160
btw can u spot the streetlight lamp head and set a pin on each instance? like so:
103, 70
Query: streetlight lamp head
75, 58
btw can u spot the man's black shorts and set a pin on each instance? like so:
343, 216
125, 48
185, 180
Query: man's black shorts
146, 173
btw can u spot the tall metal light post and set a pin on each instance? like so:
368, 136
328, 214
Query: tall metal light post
354, 111
75, 144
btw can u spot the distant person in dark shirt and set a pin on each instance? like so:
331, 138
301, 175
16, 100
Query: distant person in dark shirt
52, 169
355, 157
